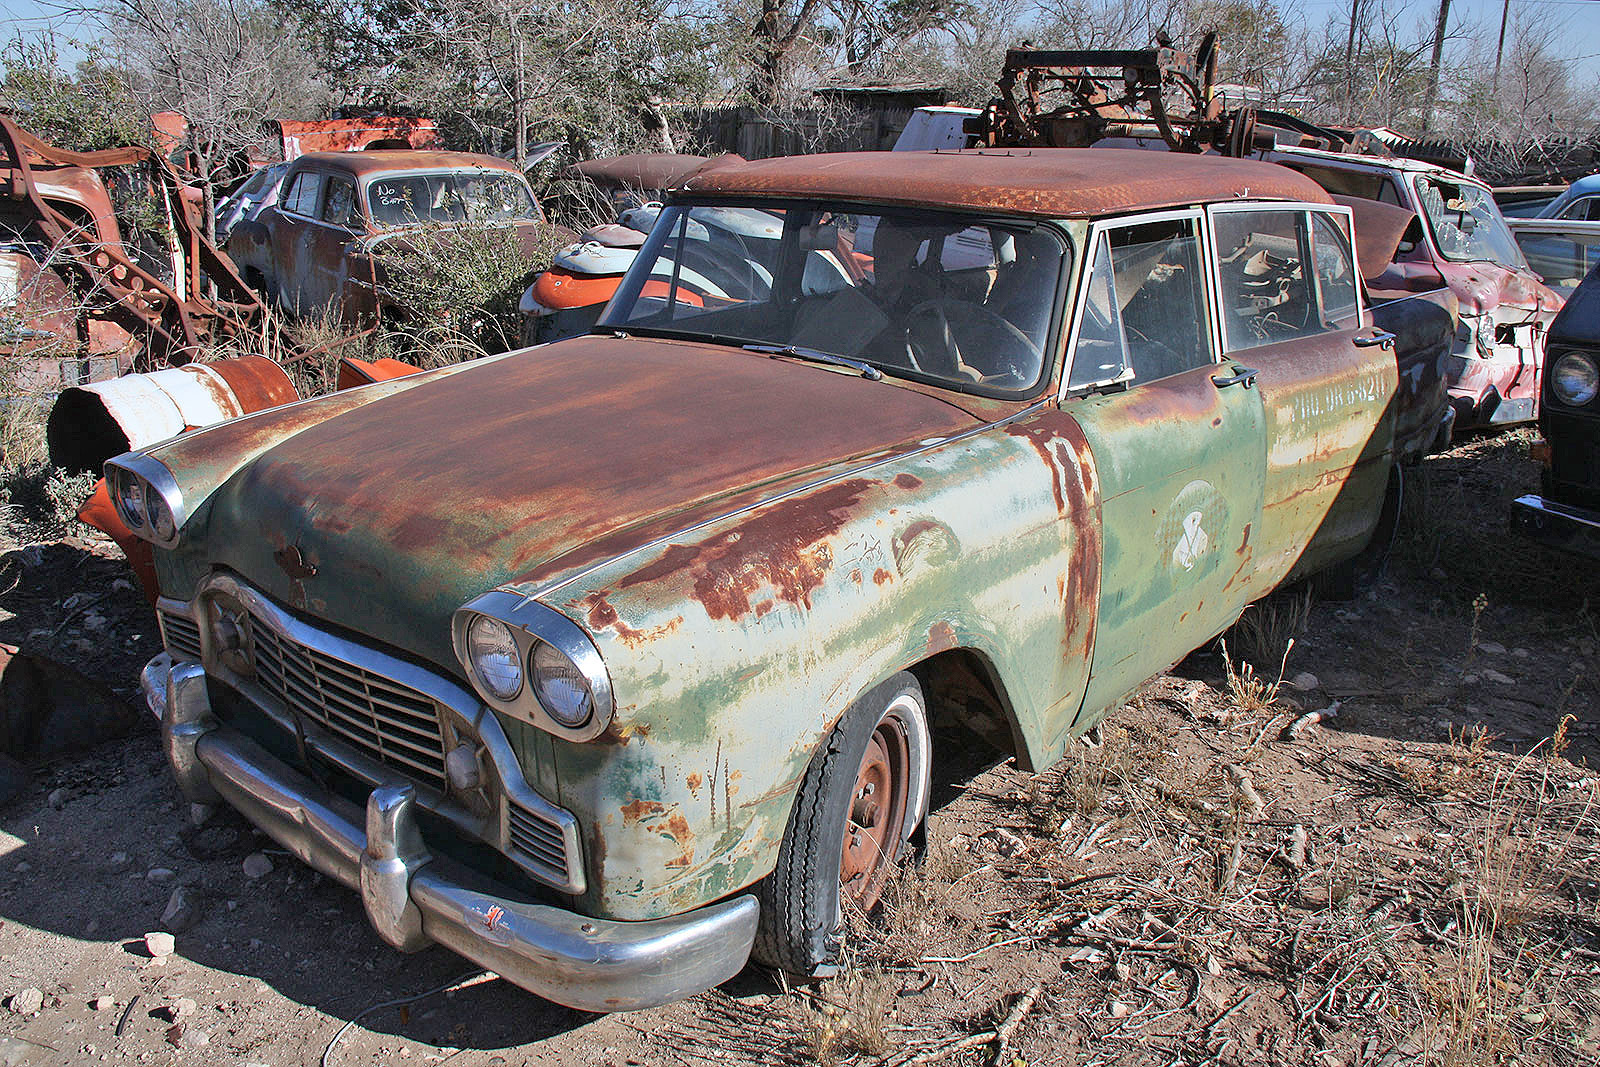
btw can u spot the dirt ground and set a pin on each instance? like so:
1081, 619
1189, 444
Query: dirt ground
1215, 881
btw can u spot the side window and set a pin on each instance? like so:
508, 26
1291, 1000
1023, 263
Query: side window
1145, 315
1336, 276
339, 207
1266, 293
303, 194
1585, 209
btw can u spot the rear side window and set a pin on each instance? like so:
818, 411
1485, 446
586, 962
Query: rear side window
1146, 310
1336, 276
303, 194
1266, 290
340, 206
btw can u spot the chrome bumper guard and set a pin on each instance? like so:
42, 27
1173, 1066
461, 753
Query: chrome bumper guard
589, 964
1557, 525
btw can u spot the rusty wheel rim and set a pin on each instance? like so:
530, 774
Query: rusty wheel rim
875, 816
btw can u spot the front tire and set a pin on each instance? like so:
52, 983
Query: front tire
864, 792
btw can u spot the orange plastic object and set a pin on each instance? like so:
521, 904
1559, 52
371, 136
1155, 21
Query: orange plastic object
559, 289
98, 512
354, 372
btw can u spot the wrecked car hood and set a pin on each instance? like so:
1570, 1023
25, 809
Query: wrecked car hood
388, 517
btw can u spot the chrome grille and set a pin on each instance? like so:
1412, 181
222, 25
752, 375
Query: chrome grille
394, 724
180, 635
539, 841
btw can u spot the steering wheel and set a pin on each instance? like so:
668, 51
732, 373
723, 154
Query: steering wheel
960, 339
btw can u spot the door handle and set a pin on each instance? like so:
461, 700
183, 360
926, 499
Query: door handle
1245, 376
1381, 338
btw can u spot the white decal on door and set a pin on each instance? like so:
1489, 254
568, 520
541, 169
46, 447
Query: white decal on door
1192, 542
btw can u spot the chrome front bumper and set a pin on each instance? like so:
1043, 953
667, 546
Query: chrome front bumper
409, 895
1557, 525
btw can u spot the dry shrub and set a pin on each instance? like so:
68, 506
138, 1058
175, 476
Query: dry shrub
1271, 624
1521, 854
1247, 691
916, 909
850, 1014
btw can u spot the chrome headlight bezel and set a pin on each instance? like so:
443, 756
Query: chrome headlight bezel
533, 624
1575, 399
161, 514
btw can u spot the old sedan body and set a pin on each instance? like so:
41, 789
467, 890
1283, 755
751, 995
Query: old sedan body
610, 662
322, 243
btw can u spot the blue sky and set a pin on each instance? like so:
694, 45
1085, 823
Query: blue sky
1580, 20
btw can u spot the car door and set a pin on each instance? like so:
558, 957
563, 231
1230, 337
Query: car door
339, 220
292, 231
1290, 308
1178, 443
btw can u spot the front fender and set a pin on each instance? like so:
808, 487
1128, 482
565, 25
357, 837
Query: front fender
734, 650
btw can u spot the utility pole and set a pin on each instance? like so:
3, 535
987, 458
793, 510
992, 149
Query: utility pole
517, 104
1433, 70
1500, 49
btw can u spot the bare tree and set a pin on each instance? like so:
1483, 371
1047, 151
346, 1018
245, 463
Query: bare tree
225, 65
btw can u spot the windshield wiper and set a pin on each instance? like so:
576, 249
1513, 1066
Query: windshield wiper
866, 370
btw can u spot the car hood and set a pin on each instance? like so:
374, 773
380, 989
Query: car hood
1483, 287
386, 518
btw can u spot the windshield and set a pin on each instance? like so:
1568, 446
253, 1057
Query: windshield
450, 196
1465, 223
926, 295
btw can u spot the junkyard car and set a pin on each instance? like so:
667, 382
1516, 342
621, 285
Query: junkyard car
1460, 242
610, 662
322, 244
1566, 512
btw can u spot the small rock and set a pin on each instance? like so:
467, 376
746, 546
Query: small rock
1491, 648
1004, 842
94, 621
1497, 678
57, 798
160, 944
196, 1039
118, 862
1213, 968
27, 1001
160, 874
103, 1003
122, 585
1123, 971
181, 1008
23, 868
183, 910
1118, 1009
1469, 679
1305, 681
256, 865
1521, 653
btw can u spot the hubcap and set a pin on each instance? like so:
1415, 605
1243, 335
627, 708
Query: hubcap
876, 816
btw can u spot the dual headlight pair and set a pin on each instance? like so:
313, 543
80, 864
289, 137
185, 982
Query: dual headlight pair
1574, 379
146, 498
534, 663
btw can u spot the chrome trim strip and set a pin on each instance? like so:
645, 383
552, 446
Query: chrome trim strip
530, 621
470, 717
853, 472
153, 472
1580, 517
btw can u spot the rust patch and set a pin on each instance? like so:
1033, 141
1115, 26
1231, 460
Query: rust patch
781, 546
603, 616
880, 576
635, 810
1061, 444
695, 781
941, 637
908, 481
677, 828
1244, 545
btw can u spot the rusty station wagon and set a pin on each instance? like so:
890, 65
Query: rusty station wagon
609, 663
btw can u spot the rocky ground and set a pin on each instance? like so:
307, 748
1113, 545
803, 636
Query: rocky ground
1225, 877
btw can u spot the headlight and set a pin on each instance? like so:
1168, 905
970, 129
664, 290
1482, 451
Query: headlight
495, 660
502, 636
562, 690
1574, 379
129, 493
146, 497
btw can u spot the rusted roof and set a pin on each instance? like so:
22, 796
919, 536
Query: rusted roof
389, 159
1047, 182
642, 170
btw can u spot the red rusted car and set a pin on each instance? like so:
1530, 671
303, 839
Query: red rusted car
323, 244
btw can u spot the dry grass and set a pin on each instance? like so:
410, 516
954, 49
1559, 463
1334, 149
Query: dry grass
1247, 691
850, 1014
1271, 624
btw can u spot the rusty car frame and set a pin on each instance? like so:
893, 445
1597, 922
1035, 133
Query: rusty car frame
83, 298
988, 435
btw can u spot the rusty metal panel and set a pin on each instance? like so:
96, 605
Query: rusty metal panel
1039, 182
